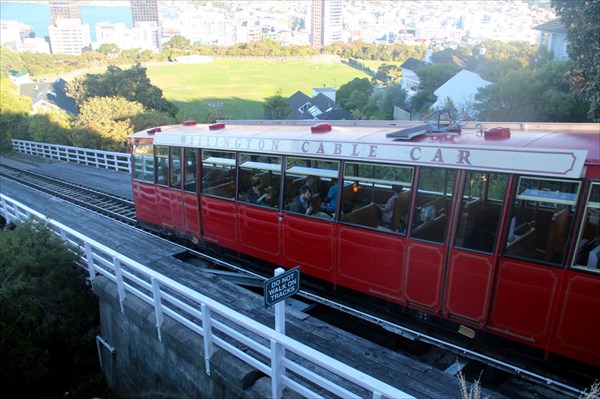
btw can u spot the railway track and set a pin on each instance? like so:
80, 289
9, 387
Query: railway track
104, 203
448, 354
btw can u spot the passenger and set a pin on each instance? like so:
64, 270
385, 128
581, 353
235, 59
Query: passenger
386, 212
313, 183
332, 194
301, 204
256, 194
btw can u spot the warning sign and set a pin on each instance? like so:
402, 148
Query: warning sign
282, 286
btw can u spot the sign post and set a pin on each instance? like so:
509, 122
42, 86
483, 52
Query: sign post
283, 285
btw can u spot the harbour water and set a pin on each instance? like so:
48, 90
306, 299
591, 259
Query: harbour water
37, 14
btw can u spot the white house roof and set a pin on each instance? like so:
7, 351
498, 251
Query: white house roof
460, 89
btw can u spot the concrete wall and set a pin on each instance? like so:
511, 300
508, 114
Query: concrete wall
143, 366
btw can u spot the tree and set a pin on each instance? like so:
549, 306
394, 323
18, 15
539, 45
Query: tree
176, 46
346, 91
14, 114
10, 61
48, 315
534, 96
132, 84
111, 50
150, 119
384, 102
276, 107
580, 18
53, 126
389, 74
105, 122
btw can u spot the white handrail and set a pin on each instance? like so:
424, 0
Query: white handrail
289, 363
118, 161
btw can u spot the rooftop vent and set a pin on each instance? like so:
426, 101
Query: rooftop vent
321, 128
154, 130
495, 133
189, 123
216, 126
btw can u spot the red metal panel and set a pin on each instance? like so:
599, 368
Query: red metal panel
163, 196
424, 273
146, 204
468, 285
176, 206
578, 333
308, 242
370, 262
191, 207
522, 301
259, 232
219, 222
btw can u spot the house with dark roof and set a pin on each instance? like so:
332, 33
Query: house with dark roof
46, 95
553, 36
410, 81
319, 107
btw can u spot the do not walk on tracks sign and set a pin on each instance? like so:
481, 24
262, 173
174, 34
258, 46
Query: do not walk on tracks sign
282, 286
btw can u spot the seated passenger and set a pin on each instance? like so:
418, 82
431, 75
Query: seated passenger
301, 204
385, 212
257, 195
332, 194
313, 183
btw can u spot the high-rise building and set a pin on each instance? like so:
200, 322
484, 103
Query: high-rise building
326, 22
67, 33
69, 36
64, 9
144, 11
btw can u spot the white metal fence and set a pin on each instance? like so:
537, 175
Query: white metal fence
289, 363
118, 161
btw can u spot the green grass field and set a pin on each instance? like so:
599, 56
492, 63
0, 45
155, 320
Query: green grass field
242, 85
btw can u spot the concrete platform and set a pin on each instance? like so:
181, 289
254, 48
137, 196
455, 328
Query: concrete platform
415, 378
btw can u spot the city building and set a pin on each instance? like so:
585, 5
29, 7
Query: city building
326, 22
144, 11
214, 29
35, 45
64, 9
10, 34
67, 33
69, 36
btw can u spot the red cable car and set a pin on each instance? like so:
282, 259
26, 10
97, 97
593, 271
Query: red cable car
495, 229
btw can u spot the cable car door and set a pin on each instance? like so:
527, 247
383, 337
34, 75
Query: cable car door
428, 245
472, 258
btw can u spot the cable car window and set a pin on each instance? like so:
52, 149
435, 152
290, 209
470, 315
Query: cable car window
541, 219
588, 243
376, 196
218, 173
143, 163
161, 156
432, 205
190, 159
480, 211
307, 182
259, 179
175, 163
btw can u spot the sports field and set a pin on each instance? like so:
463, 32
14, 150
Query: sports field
241, 85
